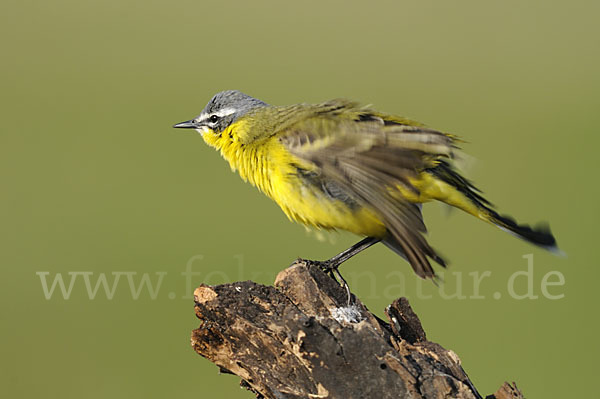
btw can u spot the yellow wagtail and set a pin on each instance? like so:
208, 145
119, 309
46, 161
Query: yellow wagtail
338, 165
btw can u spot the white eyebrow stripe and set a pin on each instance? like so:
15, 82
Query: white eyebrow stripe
225, 112
221, 113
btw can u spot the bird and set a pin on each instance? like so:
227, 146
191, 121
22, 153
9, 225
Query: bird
339, 165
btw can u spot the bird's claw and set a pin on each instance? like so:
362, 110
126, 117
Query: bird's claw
332, 269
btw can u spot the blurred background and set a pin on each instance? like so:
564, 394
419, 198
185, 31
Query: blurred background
97, 185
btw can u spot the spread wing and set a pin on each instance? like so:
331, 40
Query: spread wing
366, 156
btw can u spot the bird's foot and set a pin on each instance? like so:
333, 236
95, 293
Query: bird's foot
332, 269
323, 265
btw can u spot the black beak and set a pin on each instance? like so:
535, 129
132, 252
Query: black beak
186, 125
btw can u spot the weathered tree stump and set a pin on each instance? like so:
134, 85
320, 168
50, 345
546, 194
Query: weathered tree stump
300, 339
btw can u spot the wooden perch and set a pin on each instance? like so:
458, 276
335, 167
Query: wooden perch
300, 339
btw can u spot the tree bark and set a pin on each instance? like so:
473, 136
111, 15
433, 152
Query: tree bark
301, 339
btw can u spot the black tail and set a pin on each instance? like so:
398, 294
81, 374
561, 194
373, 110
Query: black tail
540, 235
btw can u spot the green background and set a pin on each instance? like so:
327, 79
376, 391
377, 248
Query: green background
95, 179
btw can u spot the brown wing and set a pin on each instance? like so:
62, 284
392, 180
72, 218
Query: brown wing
368, 156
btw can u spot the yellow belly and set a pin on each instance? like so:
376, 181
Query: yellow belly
308, 204
273, 169
312, 207
269, 166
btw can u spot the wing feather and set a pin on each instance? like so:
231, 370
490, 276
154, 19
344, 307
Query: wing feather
368, 159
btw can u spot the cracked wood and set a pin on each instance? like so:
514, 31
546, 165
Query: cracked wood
299, 339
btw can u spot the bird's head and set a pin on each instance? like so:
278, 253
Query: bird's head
221, 111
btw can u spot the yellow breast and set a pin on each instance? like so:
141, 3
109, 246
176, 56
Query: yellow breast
269, 166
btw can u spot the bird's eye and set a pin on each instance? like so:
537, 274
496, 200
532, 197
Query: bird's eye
214, 118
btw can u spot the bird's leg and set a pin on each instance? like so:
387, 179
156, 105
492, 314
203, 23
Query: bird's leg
331, 266
343, 256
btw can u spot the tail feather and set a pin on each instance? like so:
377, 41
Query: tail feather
540, 235
459, 192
